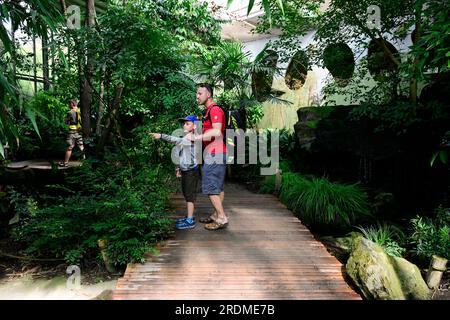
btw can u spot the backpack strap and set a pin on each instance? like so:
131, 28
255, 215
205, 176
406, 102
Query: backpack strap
207, 117
78, 120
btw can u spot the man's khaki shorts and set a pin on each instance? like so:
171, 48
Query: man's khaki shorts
74, 138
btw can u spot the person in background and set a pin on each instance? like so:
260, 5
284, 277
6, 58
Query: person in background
74, 137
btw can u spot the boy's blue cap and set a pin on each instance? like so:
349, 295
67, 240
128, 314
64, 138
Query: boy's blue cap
189, 118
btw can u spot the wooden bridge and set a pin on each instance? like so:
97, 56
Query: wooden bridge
265, 253
39, 164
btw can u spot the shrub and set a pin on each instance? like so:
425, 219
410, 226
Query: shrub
124, 205
432, 236
321, 202
387, 236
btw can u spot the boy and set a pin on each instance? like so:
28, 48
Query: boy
188, 168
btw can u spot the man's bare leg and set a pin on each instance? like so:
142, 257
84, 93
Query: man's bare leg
214, 216
217, 204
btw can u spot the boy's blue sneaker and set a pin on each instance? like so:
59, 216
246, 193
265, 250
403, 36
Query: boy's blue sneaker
188, 223
180, 220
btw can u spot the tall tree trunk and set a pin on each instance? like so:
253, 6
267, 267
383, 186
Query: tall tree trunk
86, 93
45, 62
80, 60
34, 64
100, 102
413, 81
13, 47
109, 123
63, 6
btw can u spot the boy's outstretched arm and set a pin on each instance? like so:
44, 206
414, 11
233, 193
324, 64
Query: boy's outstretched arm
155, 135
166, 137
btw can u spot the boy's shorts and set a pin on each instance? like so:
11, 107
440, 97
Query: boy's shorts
189, 182
213, 173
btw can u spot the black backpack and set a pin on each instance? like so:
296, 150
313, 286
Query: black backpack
234, 119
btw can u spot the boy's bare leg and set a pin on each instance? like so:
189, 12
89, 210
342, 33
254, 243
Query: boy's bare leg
190, 209
214, 216
220, 213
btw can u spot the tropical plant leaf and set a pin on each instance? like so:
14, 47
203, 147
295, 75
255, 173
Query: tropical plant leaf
267, 10
63, 58
250, 6
280, 4
433, 158
5, 38
8, 86
31, 114
2, 150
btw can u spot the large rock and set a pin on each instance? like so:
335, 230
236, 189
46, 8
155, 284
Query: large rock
380, 276
341, 247
346, 243
413, 285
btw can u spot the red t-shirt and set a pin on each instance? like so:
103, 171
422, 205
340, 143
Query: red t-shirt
216, 115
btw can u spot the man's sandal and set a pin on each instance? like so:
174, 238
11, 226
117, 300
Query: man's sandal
206, 220
63, 164
215, 226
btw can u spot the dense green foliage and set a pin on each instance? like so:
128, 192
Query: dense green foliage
50, 134
122, 199
137, 57
140, 46
32, 16
432, 236
120, 205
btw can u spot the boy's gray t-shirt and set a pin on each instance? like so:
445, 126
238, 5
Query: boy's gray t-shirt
185, 149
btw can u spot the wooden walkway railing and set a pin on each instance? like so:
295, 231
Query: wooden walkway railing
265, 253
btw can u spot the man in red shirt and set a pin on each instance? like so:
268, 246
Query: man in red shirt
215, 152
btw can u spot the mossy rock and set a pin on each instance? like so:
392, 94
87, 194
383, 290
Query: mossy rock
413, 285
346, 243
382, 277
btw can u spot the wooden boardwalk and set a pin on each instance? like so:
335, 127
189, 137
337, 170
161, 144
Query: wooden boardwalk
265, 253
39, 165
